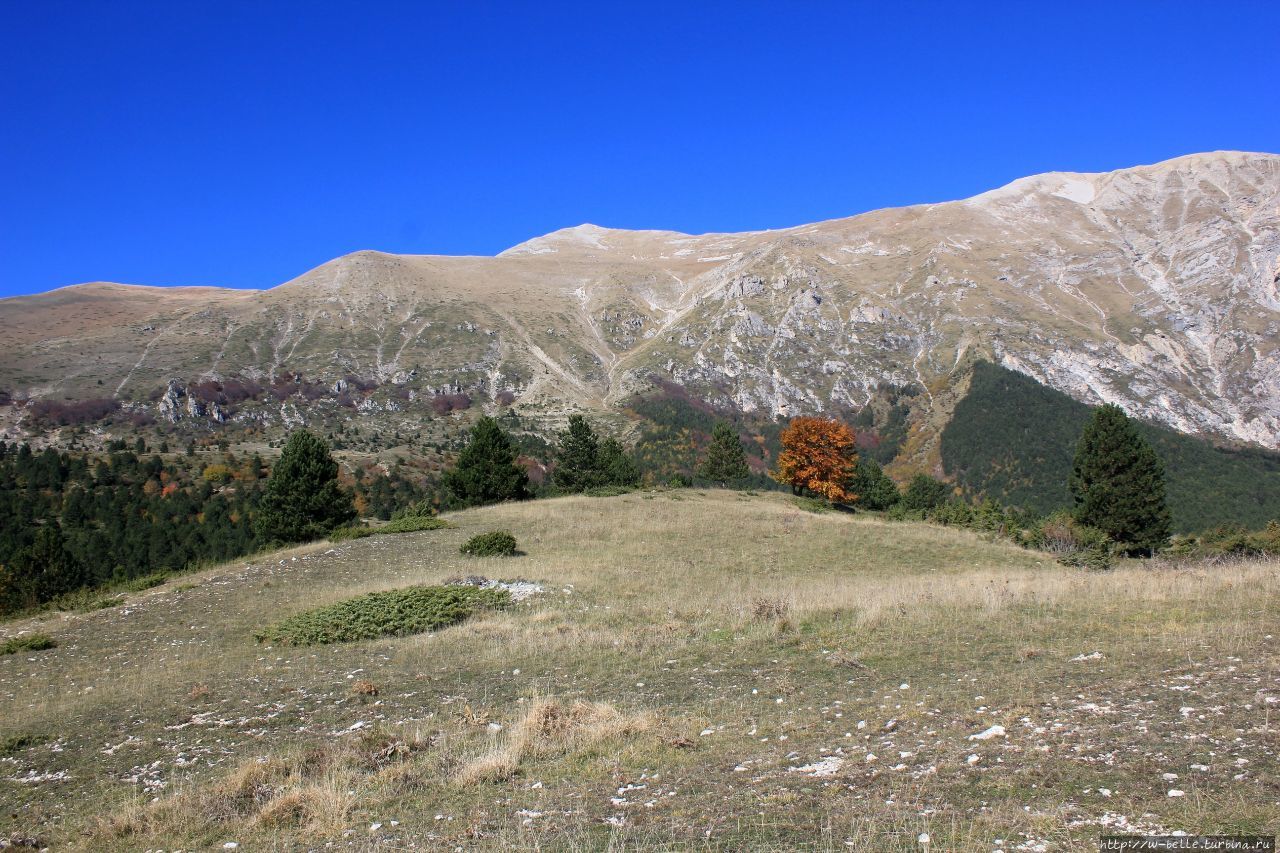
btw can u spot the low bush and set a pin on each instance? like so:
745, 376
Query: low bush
901, 512
403, 524
346, 534
1073, 543
417, 509
1230, 540
812, 504
17, 743
394, 613
498, 543
145, 582
414, 523
27, 643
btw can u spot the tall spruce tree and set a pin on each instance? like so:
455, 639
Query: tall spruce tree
486, 471
616, 466
726, 461
1117, 482
577, 460
303, 500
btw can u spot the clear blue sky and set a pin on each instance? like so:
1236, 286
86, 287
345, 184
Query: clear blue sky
242, 143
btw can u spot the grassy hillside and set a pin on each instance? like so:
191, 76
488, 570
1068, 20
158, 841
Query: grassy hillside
1013, 439
786, 681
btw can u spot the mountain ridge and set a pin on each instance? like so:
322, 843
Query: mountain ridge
1155, 287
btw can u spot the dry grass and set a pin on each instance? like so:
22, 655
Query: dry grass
649, 671
550, 727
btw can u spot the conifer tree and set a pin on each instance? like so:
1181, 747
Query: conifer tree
486, 471
615, 465
46, 569
873, 487
1117, 482
924, 493
577, 467
726, 461
303, 500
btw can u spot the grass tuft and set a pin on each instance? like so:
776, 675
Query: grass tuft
547, 728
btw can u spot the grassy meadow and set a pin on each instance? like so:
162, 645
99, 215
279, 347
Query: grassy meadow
703, 669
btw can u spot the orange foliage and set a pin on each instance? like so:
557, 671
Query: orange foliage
818, 454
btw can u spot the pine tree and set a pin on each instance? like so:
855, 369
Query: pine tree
486, 471
726, 461
924, 493
46, 569
303, 500
577, 462
615, 465
873, 487
1117, 482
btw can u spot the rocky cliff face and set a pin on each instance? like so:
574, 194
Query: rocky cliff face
1157, 288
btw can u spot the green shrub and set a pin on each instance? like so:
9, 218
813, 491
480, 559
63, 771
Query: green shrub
1230, 540
402, 524
16, 743
345, 534
1073, 543
925, 493
414, 523
954, 513
901, 512
812, 504
418, 509
498, 543
145, 582
27, 643
394, 613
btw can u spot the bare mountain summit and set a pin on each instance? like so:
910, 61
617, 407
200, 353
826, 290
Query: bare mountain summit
1156, 287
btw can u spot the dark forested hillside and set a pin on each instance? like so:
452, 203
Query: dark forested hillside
1013, 439
70, 521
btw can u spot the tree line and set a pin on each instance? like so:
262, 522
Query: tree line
69, 522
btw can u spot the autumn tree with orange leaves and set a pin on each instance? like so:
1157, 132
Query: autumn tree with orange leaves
818, 455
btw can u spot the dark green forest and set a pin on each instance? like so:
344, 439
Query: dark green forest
1013, 439
70, 521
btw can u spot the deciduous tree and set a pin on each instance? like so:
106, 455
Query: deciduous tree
818, 455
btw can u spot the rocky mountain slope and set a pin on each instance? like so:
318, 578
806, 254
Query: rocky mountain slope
1155, 287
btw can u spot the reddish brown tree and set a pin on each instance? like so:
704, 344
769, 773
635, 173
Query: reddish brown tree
818, 455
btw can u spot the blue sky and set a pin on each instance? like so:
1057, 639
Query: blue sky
242, 143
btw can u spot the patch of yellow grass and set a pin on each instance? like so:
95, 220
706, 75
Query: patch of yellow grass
551, 727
